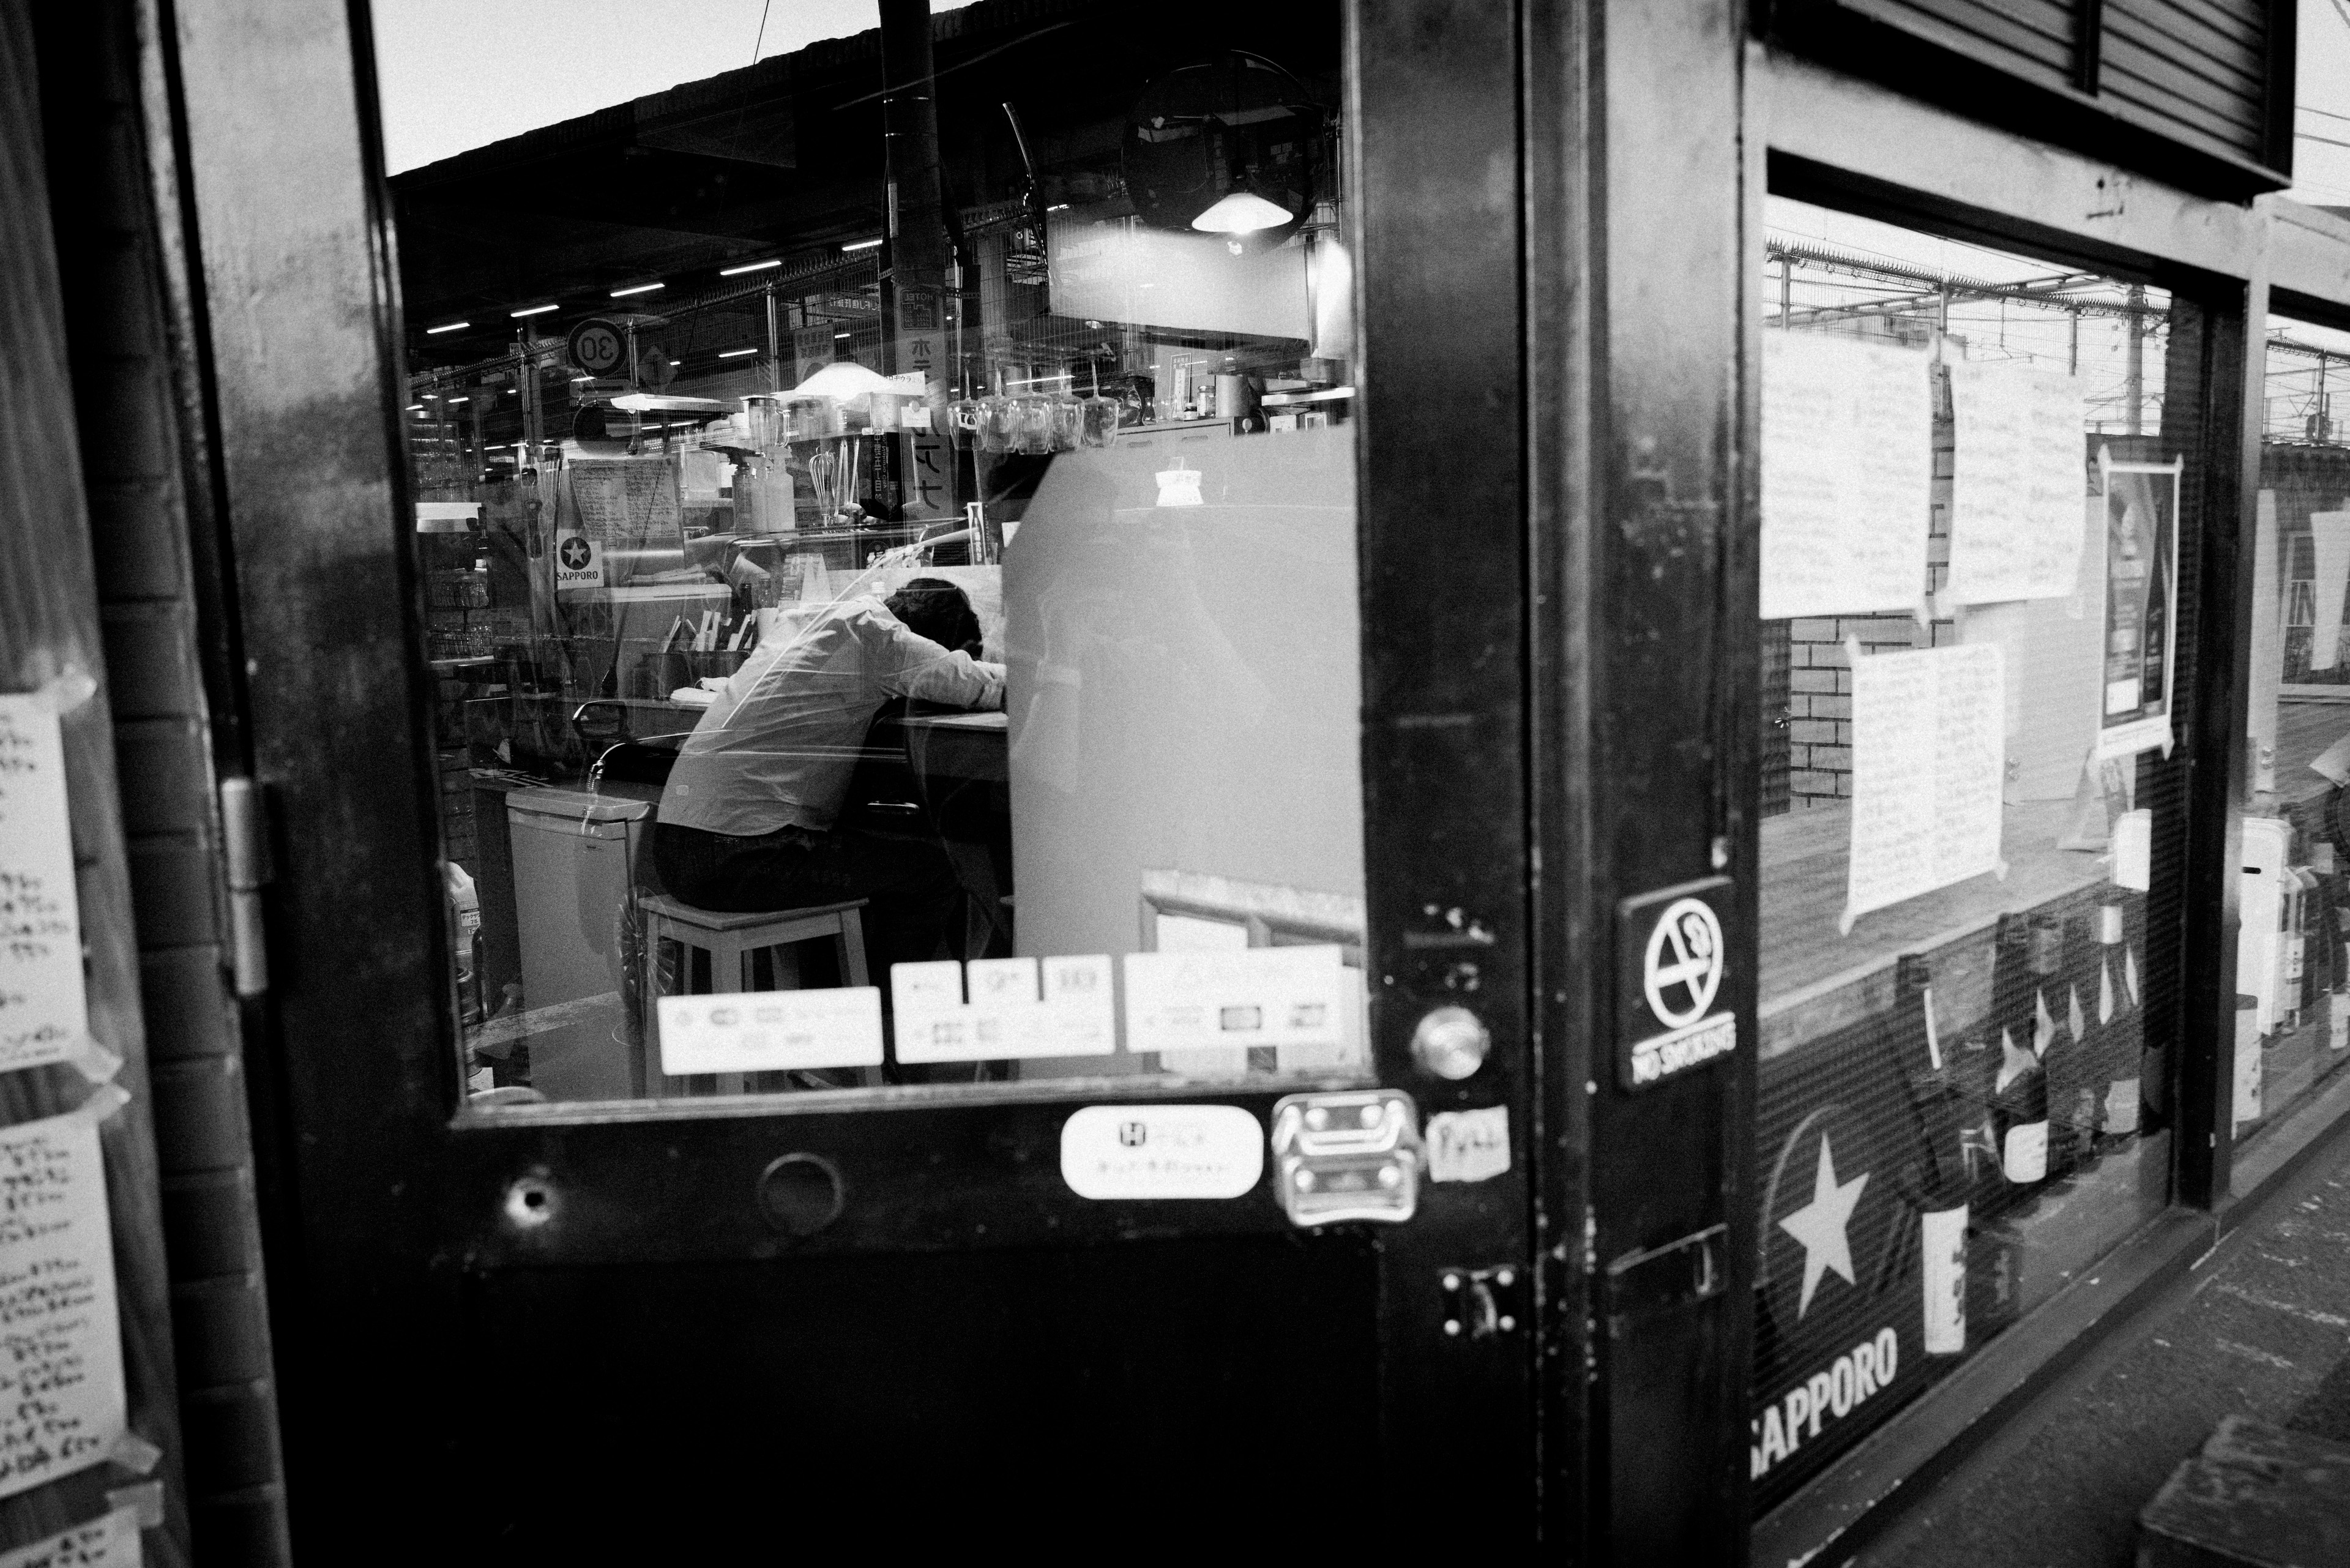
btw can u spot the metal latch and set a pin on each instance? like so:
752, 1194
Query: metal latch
1349, 1155
244, 844
1680, 1273
1482, 1303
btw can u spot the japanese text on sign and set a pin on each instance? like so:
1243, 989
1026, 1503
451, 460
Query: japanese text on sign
42, 1004
61, 1387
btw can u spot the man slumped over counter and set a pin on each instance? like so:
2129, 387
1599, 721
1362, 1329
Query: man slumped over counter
750, 820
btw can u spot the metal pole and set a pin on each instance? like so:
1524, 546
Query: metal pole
2134, 370
774, 345
2072, 359
1786, 294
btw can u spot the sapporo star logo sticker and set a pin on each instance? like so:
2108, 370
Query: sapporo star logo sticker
575, 553
1820, 1226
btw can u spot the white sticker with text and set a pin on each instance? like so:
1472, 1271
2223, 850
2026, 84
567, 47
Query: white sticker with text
1248, 996
1016, 1007
1161, 1151
1469, 1146
770, 1031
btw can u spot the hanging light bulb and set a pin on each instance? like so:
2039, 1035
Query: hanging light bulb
1242, 212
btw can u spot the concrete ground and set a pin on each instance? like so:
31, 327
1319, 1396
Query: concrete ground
2261, 1328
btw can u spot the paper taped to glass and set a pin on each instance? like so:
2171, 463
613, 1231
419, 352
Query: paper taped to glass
1847, 475
2019, 470
1928, 747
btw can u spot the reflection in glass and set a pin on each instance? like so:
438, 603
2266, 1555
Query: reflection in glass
920, 652
2293, 969
1970, 515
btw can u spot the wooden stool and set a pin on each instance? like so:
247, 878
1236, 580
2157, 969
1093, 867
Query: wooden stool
730, 940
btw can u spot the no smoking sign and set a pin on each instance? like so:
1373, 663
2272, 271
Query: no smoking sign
1672, 953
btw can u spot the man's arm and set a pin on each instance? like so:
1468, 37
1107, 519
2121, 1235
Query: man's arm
914, 666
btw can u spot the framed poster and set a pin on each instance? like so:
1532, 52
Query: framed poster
2141, 612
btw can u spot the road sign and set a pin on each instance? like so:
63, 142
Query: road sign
598, 347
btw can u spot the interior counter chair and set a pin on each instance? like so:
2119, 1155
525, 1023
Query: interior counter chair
732, 942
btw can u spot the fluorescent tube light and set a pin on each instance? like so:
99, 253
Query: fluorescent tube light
536, 310
637, 288
860, 244
447, 326
748, 266
735, 353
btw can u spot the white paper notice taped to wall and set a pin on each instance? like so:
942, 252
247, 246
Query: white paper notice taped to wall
110, 1540
1017, 1007
61, 1387
1927, 748
2019, 471
770, 1031
1847, 475
2329, 537
1256, 996
44, 1013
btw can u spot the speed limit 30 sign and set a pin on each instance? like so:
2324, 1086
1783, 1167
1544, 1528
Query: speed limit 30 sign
1672, 954
598, 347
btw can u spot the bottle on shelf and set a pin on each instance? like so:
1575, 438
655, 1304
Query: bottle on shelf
2329, 980
2117, 1027
2292, 952
2075, 1066
1938, 1184
2019, 1101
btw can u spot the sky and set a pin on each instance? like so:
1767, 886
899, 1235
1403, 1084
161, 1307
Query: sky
2322, 98
457, 74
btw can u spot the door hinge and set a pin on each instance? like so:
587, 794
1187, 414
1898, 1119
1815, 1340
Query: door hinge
245, 842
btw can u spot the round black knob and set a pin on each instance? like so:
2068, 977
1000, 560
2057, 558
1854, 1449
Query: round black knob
800, 1194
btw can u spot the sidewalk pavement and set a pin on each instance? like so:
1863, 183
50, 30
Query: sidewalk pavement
2261, 1328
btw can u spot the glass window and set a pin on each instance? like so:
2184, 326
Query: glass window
2293, 969
888, 550
1971, 507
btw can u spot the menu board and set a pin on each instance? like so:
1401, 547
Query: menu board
1847, 475
613, 510
110, 1540
61, 1386
43, 1009
2018, 474
1928, 733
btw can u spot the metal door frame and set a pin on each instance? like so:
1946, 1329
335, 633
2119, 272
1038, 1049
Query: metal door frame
383, 1202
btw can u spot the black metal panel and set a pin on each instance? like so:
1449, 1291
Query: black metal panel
2197, 93
1443, 759
1646, 761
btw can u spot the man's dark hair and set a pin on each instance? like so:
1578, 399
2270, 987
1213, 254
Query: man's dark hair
936, 609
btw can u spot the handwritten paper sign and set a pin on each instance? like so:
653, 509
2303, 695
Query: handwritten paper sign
1018, 1007
61, 1389
43, 1009
770, 1031
626, 500
1926, 746
110, 1541
1469, 1146
2018, 474
1847, 475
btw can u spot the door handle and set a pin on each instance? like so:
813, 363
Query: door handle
1355, 1154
